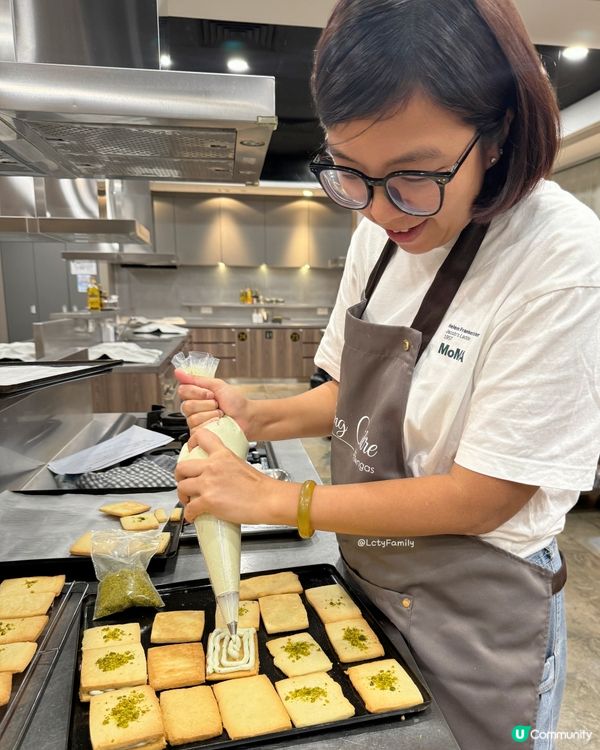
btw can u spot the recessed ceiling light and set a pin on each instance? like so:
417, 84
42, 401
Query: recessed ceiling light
574, 54
237, 65
307, 193
165, 61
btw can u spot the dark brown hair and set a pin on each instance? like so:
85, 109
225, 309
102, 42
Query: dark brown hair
473, 57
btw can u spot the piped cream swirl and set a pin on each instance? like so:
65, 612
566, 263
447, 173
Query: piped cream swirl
226, 653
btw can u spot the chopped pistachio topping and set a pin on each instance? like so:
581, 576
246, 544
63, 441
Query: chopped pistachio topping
31, 582
297, 649
385, 679
335, 602
125, 588
307, 694
139, 519
127, 709
112, 634
5, 627
242, 610
114, 660
356, 638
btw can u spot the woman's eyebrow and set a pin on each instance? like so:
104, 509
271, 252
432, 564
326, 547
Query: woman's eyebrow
417, 155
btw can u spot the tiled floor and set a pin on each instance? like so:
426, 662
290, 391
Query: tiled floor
580, 543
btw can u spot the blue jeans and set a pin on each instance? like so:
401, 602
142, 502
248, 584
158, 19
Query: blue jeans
555, 669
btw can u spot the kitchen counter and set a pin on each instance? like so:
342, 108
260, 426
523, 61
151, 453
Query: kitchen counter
168, 344
49, 724
207, 323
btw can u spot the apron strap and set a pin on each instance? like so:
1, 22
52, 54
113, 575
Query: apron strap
386, 255
447, 281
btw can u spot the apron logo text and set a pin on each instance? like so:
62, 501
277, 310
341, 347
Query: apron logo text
363, 448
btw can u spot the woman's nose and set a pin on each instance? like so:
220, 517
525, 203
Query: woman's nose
381, 210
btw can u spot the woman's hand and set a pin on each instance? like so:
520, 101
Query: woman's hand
206, 398
227, 487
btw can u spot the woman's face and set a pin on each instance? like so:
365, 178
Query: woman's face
421, 136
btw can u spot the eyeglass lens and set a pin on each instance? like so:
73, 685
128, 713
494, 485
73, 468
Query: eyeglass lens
415, 195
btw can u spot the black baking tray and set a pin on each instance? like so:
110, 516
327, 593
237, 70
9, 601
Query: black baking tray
92, 367
198, 595
82, 568
29, 685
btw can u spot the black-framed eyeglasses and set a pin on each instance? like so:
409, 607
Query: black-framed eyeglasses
413, 192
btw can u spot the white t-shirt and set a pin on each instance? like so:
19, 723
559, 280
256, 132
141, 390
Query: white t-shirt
509, 386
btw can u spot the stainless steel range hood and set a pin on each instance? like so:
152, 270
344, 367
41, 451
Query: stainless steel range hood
86, 120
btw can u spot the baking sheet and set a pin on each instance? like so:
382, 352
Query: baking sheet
20, 378
28, 687
198, 595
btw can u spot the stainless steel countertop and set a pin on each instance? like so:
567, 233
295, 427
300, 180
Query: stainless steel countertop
36, 531
207, 323
169, 345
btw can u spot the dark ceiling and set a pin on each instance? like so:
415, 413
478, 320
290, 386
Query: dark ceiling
286, 52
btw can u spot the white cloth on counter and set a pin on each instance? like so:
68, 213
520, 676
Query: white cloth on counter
22, 350
158, 327
126, 351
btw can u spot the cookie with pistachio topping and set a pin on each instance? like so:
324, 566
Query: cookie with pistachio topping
110, 668
140, 522
298, 654
20, 629
248, 615
384, 686
111, 635
127, 718
332, 603
33, 585
353, 640
313, 699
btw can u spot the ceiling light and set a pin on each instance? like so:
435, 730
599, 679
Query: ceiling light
237, 65
575, 54
307, 193
305, 267
165, 60
221, 265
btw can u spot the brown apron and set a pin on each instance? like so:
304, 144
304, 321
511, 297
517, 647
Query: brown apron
475, 616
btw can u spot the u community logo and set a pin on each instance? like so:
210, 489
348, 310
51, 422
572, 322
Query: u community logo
520, 733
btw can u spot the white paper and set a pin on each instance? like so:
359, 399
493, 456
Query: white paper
13, 375
160, 328
131, 442
84, 268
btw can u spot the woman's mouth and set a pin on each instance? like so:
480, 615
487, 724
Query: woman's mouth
402, 238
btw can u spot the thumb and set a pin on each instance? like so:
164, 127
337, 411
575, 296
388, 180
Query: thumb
206, 440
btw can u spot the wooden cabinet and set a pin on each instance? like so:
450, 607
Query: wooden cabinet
243, 230
286, 232
329, 233
311, 338
276, 353
164, 223
197, 230
221, 343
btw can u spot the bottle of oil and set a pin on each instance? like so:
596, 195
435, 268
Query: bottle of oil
94, 299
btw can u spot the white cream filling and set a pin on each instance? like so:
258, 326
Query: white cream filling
99, 692
225, 653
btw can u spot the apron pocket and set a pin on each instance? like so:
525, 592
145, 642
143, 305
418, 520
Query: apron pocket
398, 607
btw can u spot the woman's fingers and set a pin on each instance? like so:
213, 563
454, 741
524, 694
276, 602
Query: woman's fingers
194, 393
190, 407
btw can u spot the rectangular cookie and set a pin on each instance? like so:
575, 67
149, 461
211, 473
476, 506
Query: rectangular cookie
25, 605
127, 718
176, 514
33, 585
267, 585
238, 674
161, 515
313, 699
140, 522
190, 715
164, 541
124, 508
283, 612
332, 603
15, 657
5, 687
248, 614
109, 635
250, 706
82, 547
353, 640
298, 654
19, 629
111, 668
179, 665
384, 686
177, 626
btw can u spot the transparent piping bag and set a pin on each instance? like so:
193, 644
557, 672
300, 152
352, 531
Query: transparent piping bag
220, 541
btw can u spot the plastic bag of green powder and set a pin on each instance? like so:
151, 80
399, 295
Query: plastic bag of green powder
120, 560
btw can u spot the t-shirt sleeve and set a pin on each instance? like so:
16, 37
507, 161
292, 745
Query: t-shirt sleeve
329, 353
534, 415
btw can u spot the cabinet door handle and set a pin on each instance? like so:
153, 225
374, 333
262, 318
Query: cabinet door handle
295, 336
242, 336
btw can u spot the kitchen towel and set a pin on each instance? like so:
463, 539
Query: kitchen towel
126, 351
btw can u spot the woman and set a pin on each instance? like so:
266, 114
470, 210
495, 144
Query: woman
464, 405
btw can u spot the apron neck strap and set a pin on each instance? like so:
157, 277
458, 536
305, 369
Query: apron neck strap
386, 255
447, 281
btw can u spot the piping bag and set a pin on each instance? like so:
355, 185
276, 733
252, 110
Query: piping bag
220, 541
